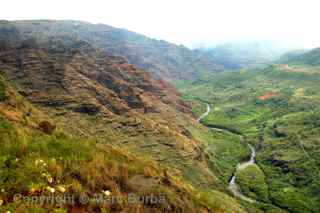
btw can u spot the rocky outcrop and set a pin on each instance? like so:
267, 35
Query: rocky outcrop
63, 71
159, 58
93, 94
89, 109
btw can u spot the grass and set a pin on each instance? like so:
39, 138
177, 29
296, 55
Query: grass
31, 161
81, 166
291, 199
284, 128
222, 151
252, 183
2, 89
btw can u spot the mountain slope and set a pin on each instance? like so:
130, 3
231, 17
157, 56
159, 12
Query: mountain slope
161, 59
98, 116
242, 55
59, 69
285, 58
35, 163
311, 57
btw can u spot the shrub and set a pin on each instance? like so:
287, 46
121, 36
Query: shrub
2, 90
290, 199
252, 183
47, 127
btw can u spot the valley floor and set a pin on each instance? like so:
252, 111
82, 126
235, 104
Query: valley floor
276, 109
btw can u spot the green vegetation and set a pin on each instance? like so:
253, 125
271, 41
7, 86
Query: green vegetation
304, 57
107, 109
37, 158
245, 54
39, 164
2, 90
291, 199
276, 109
252, 183
119, 113
223, 152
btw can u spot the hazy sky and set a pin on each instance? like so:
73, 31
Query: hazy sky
188, 22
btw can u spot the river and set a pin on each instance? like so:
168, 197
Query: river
233, 187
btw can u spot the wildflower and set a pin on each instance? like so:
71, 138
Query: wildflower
32, 190
106, 193
39, 161
51, 190
50, 179
61, 189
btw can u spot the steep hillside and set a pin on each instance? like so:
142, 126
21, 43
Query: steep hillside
72, 174
161, 59
76, 119
59, 71
245, 55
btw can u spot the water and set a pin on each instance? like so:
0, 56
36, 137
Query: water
205, 114
233, 187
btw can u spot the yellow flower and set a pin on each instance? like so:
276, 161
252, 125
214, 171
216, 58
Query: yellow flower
51, 190
106, 193
32, 190
50, 179
61, 189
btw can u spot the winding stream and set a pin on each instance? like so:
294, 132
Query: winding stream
233, 187
205, 114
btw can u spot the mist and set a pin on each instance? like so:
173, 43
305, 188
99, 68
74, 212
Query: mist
191, 23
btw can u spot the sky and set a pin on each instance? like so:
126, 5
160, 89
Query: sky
189, 22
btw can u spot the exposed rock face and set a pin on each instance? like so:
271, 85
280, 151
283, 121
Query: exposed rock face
89, 109
92, 94
62, 71
102, 99
161, 59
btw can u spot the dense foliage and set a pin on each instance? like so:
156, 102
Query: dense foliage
252, 183
2, 90
276, 109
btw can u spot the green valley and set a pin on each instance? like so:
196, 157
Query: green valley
277, 110
79, 121
99, 114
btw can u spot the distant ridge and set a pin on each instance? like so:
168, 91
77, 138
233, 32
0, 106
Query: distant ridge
160, 58
245, 55
306, 57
